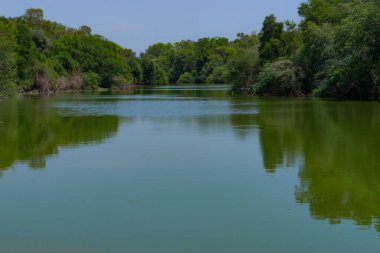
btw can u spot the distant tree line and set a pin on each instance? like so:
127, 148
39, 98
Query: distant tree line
37, 54
333, 52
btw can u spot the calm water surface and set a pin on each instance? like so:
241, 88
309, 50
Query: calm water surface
188, 169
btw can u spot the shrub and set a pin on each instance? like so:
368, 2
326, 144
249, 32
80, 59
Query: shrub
186, 78
91, 80
242, 70
159, 76
218, 75
281, 77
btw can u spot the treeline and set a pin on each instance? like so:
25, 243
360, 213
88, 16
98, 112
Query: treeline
333, 52
37, 54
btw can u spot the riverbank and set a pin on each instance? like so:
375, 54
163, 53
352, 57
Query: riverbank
69, 91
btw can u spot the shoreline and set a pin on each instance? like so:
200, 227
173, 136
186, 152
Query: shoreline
52, 92
128, 86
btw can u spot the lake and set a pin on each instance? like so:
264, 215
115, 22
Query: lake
188, 169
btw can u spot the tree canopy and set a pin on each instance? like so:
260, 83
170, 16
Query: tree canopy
333, 52
38, 54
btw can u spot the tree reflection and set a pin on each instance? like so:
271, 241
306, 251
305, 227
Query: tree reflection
31, 130
336, 145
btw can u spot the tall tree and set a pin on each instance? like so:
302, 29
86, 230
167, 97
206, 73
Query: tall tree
34, 16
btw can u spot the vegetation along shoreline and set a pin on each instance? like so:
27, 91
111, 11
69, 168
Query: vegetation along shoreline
334, 52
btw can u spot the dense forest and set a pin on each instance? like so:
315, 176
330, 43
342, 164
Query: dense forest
38, 54
333, 52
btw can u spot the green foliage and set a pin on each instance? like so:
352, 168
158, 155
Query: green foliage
270, 39
325, 11
243, 68
291, 39
153, 74
159, 77
281, 77
136, 70
219, 75
333, 52
185, 60
180, 59
47, 56
186, 78
353, 71
316, 51
8, 61
34, 17
94, 53
27, 55
40, 40
91, 80
271, 29
246, 41
162, 54
148, 70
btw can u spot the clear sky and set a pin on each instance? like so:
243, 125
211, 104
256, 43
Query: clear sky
136, 24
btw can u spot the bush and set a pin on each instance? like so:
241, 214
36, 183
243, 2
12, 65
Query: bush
242, 69
218, 75
7, 88
91, 80
159, 76
186, 78
279, 78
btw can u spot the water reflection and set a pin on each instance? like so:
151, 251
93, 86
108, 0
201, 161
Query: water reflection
31, 130
336, 146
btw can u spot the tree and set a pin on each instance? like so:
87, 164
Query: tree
246, 41
40, 40
153, 74
271, 29
136, 70
186, 78
34, 16
243, 68
316, 51
270, 39
96, 54
85, 29
291, 39
325, 11
354, 71
280, 78
219, 75
8, 67
185, 59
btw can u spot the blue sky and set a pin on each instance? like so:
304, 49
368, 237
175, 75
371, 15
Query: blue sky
136, 24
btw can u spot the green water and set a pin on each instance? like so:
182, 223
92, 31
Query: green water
188, 169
